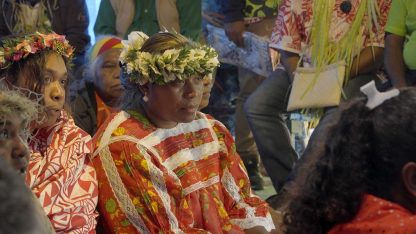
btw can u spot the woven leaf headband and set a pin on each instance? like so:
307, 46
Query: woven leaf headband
171, 64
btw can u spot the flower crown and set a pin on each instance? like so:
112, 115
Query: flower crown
13, 50
172, 64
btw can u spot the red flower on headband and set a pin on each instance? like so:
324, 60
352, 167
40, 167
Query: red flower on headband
19, 48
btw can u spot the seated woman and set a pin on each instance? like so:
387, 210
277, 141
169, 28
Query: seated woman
162, 166
59, 171
17, 201
98, 95
364, 178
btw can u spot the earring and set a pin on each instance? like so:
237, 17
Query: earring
145, 98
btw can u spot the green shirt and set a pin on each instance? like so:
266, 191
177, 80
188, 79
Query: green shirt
145, 18
402, 22
265, 8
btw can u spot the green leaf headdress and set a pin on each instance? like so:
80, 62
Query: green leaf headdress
167, 65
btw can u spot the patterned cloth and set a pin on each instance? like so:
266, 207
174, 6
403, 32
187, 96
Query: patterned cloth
60, 175
187, 179
293, 25
379, 216
103, 111
265, 8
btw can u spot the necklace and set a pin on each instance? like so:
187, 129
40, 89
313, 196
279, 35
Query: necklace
346, 6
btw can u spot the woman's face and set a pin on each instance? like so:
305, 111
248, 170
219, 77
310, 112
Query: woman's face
107, 76
208, 82
13, 147
175, 102
55, 77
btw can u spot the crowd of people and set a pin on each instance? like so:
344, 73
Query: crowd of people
112, 137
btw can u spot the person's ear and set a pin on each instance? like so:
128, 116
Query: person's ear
144, 89
409, 177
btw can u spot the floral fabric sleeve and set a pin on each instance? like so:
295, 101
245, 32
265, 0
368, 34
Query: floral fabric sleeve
244, 208
135, 198
287, 32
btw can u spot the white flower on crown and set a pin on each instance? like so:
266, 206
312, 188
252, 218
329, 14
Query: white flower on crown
162, 68
2, 59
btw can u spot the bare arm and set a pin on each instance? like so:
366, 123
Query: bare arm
370, 60
234, 31
213, 18
289, 61
393, 59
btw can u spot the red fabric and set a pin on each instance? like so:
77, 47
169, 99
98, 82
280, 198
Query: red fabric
379, 216
103, 111
60, 175
188, 178
109, 45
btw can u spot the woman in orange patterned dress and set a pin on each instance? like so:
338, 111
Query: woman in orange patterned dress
162, 166
59, 171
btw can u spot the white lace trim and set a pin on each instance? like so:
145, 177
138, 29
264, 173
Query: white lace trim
230, 186
136, 141
156, 176
162, 134
113, 125
248, 223
251, 220
120, 191
194, 154
200, 185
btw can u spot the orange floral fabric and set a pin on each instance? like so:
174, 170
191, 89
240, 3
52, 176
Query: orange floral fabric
103, 111
61, 176
379, 216
186, 179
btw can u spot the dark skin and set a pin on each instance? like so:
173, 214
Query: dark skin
234, 31
213, 18
404, 193
393, 59
369, 61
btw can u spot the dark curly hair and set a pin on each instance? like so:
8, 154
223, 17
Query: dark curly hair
363, 153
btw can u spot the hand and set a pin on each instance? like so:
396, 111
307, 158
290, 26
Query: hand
213, 18
234, 32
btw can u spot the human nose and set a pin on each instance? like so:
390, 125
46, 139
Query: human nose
117, 71
20, 149
193, 87
57, 92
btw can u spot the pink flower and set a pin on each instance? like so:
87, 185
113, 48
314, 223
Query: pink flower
17, 56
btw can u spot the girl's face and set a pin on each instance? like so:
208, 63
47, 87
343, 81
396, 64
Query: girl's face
172, 103
55, 78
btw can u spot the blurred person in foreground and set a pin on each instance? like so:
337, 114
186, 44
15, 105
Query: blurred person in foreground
18, 202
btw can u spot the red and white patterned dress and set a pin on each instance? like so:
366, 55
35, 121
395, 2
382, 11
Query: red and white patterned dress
187, 179
293, 25
60, 175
